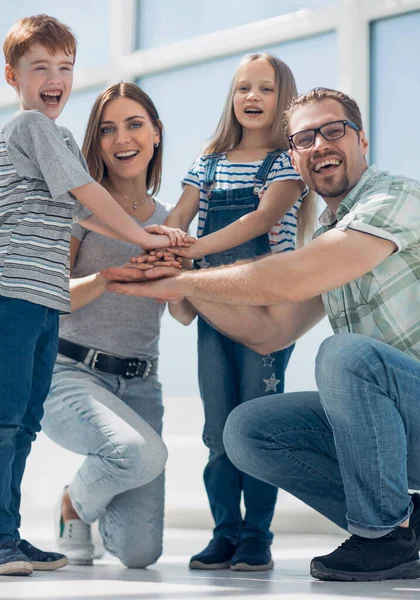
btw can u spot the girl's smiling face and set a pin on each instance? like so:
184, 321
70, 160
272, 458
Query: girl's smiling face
255, 97
126, 138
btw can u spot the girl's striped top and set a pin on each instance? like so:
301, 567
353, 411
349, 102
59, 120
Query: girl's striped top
39, 164
230, 175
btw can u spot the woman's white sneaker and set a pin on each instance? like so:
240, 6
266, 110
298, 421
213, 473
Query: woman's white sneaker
73, 538
75, 542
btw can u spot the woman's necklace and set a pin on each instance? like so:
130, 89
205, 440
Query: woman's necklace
134, 203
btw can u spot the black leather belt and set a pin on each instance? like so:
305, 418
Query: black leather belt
107, 363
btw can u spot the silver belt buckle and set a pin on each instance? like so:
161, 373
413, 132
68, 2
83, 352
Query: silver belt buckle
94, 359
147, 369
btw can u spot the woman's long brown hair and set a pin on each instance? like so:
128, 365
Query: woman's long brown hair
91, 149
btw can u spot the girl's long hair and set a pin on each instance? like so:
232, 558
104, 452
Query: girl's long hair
91, 148
228, 133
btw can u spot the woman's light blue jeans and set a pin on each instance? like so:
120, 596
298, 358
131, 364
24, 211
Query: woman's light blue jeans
352, 450
116, 423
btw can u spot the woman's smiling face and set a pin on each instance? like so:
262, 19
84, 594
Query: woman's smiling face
127, 137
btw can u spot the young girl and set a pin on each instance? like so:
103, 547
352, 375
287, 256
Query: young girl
248, 196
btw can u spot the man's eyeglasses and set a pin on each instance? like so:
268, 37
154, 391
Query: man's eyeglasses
334, 130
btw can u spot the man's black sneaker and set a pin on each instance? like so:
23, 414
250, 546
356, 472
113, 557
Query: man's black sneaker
393, 556
415, 516
217, 555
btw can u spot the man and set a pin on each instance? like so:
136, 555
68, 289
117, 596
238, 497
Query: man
352, 449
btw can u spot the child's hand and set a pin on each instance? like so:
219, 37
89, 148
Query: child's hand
176, 236
164, 254
149, 261
193, 252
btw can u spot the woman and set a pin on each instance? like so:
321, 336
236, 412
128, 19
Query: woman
106, 400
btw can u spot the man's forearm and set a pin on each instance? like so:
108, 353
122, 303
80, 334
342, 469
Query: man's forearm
291, 320
249, 325
252, 283
263, 329
330, 261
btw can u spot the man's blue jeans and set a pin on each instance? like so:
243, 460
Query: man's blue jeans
350, 451
28, 347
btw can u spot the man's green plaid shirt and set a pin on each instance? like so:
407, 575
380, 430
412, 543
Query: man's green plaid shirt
385, 303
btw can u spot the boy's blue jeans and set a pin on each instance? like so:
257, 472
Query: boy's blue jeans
28, 347
352, 450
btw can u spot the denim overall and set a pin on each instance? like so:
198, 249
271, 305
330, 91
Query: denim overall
230, 374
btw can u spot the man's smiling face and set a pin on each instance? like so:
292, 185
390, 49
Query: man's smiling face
331, 168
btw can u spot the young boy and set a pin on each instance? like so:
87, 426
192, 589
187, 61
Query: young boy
40, 164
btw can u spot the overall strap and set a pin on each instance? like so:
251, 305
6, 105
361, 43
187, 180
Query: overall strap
265, 168
211, 161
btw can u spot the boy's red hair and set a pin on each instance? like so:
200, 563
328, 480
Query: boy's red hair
46, 30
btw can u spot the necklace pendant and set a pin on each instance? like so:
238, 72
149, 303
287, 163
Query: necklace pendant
134, 205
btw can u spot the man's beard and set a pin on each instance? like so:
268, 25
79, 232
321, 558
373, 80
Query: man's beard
340, 188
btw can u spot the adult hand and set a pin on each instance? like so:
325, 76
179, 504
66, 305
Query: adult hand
134, 271
177, 236
132, 281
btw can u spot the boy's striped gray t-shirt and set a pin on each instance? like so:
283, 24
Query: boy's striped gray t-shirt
39, 164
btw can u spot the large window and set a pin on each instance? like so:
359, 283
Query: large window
164, 21
395, 87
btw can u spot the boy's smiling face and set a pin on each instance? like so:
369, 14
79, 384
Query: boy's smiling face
42, 80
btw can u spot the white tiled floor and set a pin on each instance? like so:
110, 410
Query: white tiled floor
170, 578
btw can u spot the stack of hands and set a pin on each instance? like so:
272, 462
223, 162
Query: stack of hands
154, 264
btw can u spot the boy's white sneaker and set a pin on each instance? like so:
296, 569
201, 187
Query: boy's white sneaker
73, 537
